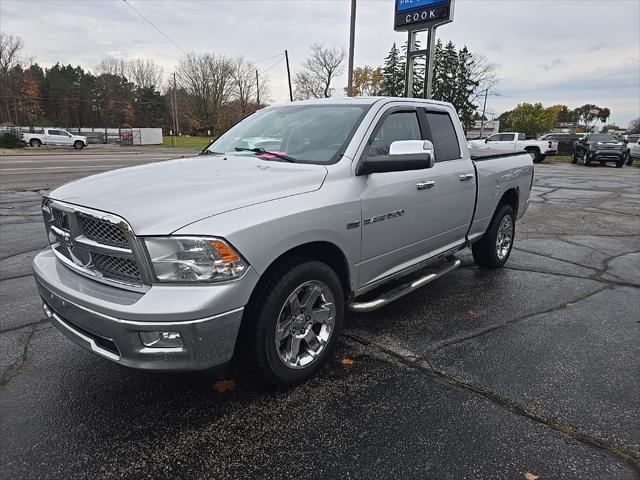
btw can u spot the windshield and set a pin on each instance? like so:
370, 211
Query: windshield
303, 133
603, 137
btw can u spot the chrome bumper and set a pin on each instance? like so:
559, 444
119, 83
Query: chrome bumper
207, 341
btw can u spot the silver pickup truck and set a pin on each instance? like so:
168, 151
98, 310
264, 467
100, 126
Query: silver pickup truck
257, 246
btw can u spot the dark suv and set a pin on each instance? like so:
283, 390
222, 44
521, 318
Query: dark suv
599, 147
565, 141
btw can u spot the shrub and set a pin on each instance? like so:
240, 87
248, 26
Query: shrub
10, 140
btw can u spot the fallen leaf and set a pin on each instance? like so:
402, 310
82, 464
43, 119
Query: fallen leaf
346, 361
570, 304
530, 476
222, 386
472, 314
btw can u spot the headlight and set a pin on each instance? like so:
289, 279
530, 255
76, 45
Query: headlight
592, 147
194, 259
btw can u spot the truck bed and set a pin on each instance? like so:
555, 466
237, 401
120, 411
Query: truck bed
479, 154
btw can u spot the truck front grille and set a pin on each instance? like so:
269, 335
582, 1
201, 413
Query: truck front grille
93, 243
118, 268
102, 232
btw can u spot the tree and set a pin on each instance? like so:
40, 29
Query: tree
318, 72
530, 119
112, 66
453, 80
367, 81
609, 127
11, 74
588, 115
503, 118
208, 80
29, 103
634, 126
244, 83
419, 69
144, 73
393, 74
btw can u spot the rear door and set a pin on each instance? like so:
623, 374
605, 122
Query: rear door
455, 180
65, 138
53, 137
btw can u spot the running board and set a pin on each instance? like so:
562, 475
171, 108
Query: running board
426, 276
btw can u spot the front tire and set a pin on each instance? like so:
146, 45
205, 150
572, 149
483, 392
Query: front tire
574, 157
295, 323
35, 143
620, 162
586, 160
78, 145
536, 156
494, 249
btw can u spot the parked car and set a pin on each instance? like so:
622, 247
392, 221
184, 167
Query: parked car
513, 141
633, 148
564, 141
55, 136
170, 265
599, 147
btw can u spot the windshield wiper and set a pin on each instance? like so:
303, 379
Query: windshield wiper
262, 151
210, 152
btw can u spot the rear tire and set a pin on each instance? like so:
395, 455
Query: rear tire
494, 249
78, 145
586, 160
620, 163
290, 339
35, 143
574, 158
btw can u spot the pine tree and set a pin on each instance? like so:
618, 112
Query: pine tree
393, 74
418, 71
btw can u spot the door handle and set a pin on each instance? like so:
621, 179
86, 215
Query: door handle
425, 185
467, 176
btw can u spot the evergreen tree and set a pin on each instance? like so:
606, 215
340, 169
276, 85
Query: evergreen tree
418, 71
393, 74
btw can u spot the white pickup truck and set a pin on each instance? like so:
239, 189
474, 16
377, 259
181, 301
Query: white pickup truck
514, 141
54, 136
298, 212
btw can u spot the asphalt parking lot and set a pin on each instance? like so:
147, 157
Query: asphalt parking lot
483, 374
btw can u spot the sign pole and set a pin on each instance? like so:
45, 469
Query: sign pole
428, 74
352, 39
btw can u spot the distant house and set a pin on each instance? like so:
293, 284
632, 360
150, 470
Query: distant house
489, 128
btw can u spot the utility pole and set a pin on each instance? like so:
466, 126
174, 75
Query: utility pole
484, 108
352, 40
257, 89
286, 56
174, 104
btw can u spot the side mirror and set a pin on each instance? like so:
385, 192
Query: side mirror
403, 156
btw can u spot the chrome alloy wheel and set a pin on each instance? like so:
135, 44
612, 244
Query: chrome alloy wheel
305, 324
504, 238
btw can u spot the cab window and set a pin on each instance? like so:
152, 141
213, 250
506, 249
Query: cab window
396, 127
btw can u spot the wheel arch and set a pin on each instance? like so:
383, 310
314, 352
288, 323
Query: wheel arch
512, 198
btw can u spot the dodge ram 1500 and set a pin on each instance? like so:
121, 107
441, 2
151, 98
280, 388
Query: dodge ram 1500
295, 214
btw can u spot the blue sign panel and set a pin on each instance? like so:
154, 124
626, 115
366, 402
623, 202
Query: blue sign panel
404, 5
414, 15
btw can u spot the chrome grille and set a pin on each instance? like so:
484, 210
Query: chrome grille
94, 243
102, 232
117, 268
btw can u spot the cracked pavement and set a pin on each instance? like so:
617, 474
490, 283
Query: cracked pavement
481, 374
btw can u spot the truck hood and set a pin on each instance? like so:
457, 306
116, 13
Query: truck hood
160, 198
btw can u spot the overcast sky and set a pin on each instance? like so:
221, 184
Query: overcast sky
563, 51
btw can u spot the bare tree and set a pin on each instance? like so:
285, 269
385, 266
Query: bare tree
244, 83
112, 66
483, 73
144, 73
11, 76
318, 72
208, 79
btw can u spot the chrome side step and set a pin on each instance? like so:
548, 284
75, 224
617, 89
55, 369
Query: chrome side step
428, 276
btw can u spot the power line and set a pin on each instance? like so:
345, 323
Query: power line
274, 65
154, 26
268, 58
87, 100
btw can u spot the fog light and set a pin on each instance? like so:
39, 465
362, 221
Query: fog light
161, 339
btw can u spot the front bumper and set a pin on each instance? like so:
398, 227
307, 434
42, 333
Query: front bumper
108, 321
608, 155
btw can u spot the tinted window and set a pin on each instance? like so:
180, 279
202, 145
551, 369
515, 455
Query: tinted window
493, 138
54, 132
443, 136
397, 126
507, 137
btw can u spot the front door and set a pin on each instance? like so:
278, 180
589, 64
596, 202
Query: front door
395, 208
502, 141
